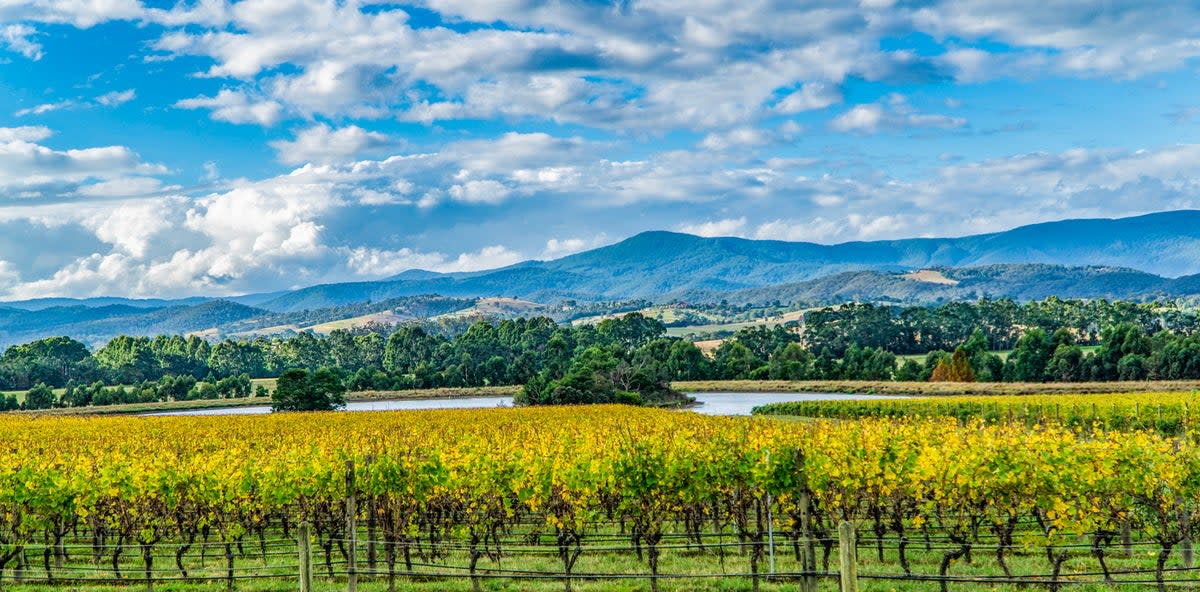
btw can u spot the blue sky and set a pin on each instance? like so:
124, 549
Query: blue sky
206, 147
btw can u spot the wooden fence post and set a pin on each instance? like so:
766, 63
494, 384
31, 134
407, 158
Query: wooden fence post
848, 554
305, 546
351, 530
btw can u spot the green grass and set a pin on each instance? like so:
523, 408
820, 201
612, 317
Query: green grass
613, 555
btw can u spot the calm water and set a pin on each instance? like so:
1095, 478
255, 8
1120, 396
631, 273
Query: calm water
707, 403
742, 403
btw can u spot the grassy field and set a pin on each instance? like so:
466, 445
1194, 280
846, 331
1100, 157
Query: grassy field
931, 388
733, 327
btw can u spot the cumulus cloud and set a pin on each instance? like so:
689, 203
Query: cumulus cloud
306, 226
236, 107
116, 98
892, 114
322, 144
82, 14
810, 97
19, 38
32, 170
25, 133
557, 248
724, 227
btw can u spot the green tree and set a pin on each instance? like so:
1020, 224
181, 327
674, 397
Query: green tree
39, 397
790, 362
685, 361
1028, 360
298, 389
735, 361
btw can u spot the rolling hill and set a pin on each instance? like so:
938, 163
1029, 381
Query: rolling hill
1016, 281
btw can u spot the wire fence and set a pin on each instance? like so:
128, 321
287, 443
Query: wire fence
512, 556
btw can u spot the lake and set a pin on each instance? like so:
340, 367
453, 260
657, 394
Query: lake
707, 403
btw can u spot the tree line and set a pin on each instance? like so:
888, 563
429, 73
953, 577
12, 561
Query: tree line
630, 358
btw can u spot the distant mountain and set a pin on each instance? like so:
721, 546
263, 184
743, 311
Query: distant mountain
1017, 281
95, 325
1144, 257
662, 266
44, 303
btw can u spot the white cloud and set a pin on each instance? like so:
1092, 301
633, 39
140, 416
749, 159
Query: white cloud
79, 13
25, 133
1121, 38
487, 191
38, 171
371, 262
122, 187
558, 248
486, 258
46, 108
742, 137
19, 38
725, 227
893, 114
236, 107
321, 144
110, 99
810, 97
116, 98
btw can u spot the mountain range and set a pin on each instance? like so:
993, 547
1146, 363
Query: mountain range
1155, 255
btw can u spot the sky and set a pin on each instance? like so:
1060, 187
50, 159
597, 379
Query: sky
165, 149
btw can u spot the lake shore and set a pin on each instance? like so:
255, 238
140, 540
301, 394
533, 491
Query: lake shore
138, 408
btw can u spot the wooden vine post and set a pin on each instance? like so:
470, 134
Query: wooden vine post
848, 554
351, 530
304, 543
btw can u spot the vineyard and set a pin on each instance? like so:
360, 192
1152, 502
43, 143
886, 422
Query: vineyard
1165, 412
590, 498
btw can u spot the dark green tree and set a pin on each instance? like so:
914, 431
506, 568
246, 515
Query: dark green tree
39, 397
298, 389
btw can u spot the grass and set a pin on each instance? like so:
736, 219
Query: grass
931, 388
721, 328
614, 555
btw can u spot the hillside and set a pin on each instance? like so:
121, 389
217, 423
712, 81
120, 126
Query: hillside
97, 325
1016, 281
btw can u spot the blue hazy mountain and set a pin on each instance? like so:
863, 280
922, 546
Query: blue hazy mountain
667, 265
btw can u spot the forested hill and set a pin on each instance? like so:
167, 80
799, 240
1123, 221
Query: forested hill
1021, 282
663, 266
